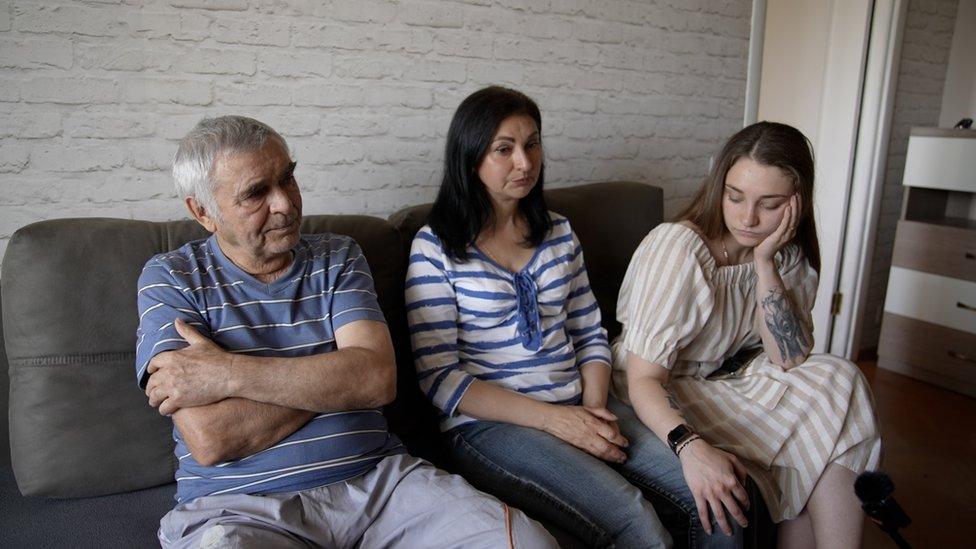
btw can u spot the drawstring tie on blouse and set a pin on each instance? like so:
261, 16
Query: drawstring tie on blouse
528, 311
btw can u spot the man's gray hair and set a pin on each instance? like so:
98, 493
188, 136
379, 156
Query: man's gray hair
193, 164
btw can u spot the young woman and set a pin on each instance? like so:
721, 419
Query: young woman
507, 337
715, 350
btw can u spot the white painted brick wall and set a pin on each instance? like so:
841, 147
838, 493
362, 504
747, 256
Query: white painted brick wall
94, 94
918, 101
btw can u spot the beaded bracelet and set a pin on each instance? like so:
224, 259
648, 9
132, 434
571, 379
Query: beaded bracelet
677, 451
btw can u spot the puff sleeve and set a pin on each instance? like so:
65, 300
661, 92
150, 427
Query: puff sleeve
666, 295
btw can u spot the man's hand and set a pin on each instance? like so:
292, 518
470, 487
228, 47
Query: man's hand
192, 376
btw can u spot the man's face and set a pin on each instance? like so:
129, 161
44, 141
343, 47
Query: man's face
259, 202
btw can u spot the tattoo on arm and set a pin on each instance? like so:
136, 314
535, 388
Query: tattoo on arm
783, 324
673, 403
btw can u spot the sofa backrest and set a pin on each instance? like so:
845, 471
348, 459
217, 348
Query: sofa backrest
79, 425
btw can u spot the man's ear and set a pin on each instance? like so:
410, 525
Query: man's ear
200, 214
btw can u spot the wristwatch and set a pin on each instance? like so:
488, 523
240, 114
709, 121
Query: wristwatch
678, 435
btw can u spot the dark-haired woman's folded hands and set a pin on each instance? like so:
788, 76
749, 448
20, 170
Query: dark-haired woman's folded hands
587, 431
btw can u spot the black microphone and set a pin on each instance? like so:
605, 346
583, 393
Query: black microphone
874, 489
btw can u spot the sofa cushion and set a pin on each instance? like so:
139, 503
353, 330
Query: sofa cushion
610, 220
117, 520
79, 425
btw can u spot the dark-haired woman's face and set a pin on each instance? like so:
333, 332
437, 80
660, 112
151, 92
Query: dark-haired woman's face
511, 166
754, 200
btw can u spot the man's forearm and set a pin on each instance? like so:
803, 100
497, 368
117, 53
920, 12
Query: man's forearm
346, 379
360, 374
235, 427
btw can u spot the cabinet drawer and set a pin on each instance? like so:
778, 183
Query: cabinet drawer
936, 299
940, 162
928, 351
938, 249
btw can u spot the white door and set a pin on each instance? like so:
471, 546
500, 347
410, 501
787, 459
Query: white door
874, 129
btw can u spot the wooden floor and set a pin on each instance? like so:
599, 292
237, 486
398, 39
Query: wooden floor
929, 441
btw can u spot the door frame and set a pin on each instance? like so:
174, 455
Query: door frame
870, 166
863, 40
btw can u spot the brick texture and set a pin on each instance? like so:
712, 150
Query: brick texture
918, 100
94, 95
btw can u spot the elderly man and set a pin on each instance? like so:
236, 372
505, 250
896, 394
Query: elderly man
269, 351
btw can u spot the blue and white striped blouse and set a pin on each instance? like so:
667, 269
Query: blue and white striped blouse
528, 331
327, 286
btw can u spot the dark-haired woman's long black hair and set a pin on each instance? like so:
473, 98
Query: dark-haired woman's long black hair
463, 208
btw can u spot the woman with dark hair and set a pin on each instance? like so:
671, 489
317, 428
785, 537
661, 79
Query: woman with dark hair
507, 338
715, 350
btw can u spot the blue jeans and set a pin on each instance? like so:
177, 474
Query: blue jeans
601, 504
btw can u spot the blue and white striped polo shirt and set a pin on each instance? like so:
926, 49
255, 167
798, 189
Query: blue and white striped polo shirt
327, 286
528, 331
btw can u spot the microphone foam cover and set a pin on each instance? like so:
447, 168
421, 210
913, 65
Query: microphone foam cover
873, 486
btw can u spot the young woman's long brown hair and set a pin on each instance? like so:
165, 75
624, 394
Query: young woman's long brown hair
769, 144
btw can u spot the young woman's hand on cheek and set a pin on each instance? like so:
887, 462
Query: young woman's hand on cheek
784, 233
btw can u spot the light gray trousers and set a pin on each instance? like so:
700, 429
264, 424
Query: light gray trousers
402, 502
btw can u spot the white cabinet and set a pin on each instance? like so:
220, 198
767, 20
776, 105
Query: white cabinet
929, 326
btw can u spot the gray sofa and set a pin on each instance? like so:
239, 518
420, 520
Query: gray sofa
90, 463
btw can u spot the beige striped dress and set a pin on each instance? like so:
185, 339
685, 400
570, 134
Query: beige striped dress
682, 311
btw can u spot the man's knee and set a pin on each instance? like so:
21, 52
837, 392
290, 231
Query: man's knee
219, 536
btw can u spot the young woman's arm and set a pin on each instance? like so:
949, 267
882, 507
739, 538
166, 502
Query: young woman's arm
786, 338
716, 478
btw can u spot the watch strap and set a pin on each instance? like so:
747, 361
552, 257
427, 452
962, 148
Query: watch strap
678, 435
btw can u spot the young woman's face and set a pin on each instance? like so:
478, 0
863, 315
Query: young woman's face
511, 166
754, 200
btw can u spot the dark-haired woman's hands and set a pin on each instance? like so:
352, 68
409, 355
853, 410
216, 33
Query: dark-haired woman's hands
717, 480
593, 431
604, 413
766, 250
